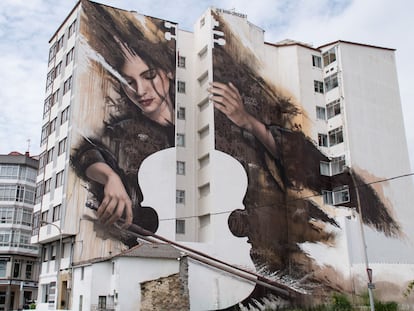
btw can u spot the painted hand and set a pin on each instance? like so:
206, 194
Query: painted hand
115, 203
228, 100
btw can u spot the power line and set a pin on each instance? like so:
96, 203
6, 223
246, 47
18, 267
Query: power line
299, 198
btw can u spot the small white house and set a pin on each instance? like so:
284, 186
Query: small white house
114, 283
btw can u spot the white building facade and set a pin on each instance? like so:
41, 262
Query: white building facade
18, 258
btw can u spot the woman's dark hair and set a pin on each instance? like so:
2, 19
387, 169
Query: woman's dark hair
108, 28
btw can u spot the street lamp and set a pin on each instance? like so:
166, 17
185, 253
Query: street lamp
59, 262
364, 244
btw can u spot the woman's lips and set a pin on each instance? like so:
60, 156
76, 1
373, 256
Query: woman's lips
146, 102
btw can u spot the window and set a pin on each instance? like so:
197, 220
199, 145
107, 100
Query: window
50, 155
181, 113
180, 168
338, 165
52, 52
17, 193
337, 196
39, 192
181, 86
67, 85
64, 115
59, 43
45, 134
53, 125
55, 97
318, 86
47, 105
6, 215
26, 217
331, 82
320, 113
101, 302
180, 140
16, 268
322, 140
180, 196
52, 252
317, 61
180, 226
202, 22
70, 56
329, 57
204, 132
71, 29
82, 273
9, 171
335, 136
62, 146
333, 108
335, 167
3, 266
181, 61
29, 270
58, 69
50, 78
44, 216
325, 168
47, 186
59, 179
80, 302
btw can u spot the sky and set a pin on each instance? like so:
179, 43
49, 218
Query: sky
27, 25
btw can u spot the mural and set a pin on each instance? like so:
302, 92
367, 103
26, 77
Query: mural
124, 128
128, 96
263, 127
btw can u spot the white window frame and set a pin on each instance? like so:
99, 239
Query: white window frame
180, 140
318, 86
320, 113
180, 168
317, 61
180, 196
180, 226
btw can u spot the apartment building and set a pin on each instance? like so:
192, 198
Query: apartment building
288, 166
18, 258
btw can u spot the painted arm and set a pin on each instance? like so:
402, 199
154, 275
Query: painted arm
228, 100
116, 201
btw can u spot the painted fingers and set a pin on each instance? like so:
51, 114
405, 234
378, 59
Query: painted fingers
116, 203
227, 99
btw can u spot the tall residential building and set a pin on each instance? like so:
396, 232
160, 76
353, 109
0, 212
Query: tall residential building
289, 165
19, 262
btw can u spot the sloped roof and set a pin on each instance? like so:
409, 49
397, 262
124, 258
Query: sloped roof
151, 250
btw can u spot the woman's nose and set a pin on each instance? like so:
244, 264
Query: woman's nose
140, 87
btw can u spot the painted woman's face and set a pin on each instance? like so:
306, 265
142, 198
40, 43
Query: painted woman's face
147, 87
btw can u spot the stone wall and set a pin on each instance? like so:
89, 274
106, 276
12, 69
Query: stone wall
167, 293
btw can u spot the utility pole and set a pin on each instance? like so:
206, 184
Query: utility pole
364, 244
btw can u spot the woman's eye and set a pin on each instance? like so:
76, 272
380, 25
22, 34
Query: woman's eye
150, 74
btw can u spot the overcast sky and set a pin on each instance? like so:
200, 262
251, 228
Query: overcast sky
27, 25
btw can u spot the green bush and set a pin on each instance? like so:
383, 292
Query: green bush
386, 306
341, 302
